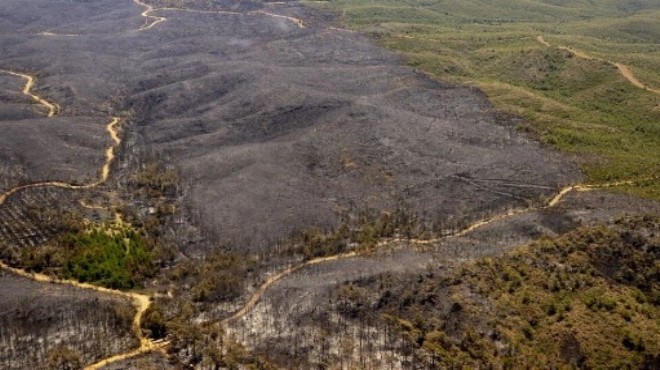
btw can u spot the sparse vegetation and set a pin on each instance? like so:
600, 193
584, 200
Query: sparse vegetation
362, 233
258, 128
582, 107
53, 326
562, 301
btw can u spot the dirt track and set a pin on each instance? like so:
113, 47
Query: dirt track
155, 20
27, 90
623, 69
385, 243
141, 303
278, 124
112, 128
104, 173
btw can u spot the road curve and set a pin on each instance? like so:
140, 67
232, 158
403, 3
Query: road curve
140, 301
145, 14
552, 202
256, 296
52, 108
112, 128
113, 131
152, 20
624, 70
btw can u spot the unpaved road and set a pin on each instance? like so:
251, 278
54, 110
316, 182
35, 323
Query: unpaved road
151, 21
140, 301
623, 69
27, 90
113, 131
384, 243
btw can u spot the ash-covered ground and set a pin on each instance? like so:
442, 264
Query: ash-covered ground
307, 318
38, 320
275, 128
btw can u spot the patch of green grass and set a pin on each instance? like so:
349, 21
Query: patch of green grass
583, 107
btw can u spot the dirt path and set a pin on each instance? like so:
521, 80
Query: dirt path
623, 69
113, 131
145, 14
156, 19
258, 294
140, 301
52, 108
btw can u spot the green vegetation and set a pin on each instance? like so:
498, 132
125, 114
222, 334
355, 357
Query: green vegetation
589, 299
116, 257
583, 107
113, 255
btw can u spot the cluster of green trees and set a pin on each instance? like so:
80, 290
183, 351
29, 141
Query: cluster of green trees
118, 258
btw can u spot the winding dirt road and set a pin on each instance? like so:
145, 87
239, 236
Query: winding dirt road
158, 19
148, 9
258, 294
52, 108
112, 128
113, 131
140, 301
624, 70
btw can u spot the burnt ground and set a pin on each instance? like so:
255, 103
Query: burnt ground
302, 323
149, 361
37, 319
34, 148
274, 128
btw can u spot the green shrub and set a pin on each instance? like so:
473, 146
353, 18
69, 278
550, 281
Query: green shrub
118, 258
